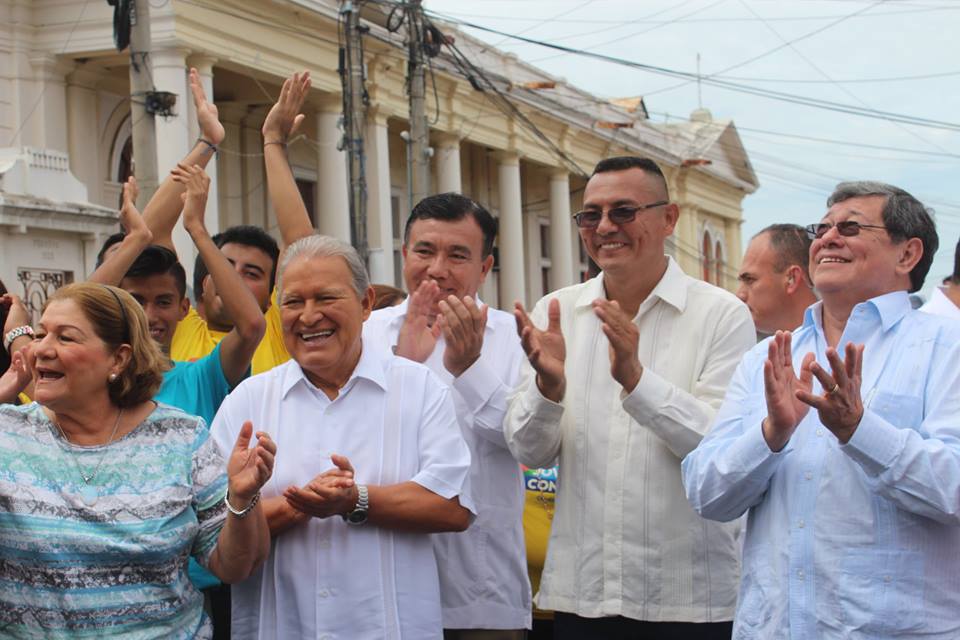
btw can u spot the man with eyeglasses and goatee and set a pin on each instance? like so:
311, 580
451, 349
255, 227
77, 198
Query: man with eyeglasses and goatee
841, 441
626, 372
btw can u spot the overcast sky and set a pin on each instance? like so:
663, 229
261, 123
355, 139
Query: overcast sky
854, 52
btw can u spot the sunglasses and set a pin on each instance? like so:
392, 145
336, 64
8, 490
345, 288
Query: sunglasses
845, 228
617, 215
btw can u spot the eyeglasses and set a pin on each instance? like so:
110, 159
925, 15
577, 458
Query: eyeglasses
844, 227
617, 215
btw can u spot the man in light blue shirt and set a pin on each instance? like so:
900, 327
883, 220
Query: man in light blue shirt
854, 507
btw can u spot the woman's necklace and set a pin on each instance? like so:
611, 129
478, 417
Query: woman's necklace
89, 493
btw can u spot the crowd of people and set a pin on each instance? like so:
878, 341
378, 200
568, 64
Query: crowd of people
298, 453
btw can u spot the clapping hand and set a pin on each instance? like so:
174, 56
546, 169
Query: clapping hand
208, 117
463, 324
782, 389
16, 378
418, 337
331, 493
197, 184
840, 407
545, 348
249, 468
284, 118
130, 218
624, 338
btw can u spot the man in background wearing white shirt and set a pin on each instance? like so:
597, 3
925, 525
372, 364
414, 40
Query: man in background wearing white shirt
624, 381
945, 300
447, 254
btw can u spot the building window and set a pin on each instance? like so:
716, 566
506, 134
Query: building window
718, 259
308, 190
707, 258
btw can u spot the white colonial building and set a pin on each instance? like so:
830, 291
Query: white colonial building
65, 140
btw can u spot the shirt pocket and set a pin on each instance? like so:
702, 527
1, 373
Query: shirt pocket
880, 591
757, 591
901, 410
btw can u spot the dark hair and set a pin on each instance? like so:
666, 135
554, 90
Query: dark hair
247, 235
955, 278
117, 319
453, 207
904, 217
623, 163
156, 261
791, 244
111, 240
4, 356
386, 296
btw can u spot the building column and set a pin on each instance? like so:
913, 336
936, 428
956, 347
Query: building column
173, 134
333, 194
561, 241
82, 139
512, 279
448, 164
254, 175
46, 126
216, 221
230, 174
379, 211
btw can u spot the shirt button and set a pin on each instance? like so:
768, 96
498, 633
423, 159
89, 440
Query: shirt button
887, 578
819, 433
323, 593
800, 524
807, 476
800, 573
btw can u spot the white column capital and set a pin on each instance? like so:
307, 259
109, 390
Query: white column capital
329, 103
163, 57
203, 63
443, 139
507, 158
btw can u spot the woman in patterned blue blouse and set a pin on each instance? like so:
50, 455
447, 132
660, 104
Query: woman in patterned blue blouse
104, 494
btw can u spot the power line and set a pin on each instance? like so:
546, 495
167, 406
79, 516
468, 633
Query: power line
765, 93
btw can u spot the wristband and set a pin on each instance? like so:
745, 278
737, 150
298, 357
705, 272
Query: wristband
13, 334
213, 147
240, 513
279, 142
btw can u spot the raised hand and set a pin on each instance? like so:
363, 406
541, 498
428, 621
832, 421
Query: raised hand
208, 116
545, 348
331, 493
197, 184
18, 375
463, 325
624, 338
418, 337
130, 218
284, 118
17, 314
248, 469
782, 389
840, 407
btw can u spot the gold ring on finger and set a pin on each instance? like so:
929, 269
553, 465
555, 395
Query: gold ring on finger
836, 385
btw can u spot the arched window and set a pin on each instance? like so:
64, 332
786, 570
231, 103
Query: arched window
718, 259
707, 258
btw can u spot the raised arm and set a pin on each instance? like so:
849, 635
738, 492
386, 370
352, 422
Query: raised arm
237, 348
137, 238
162, 211
281, 123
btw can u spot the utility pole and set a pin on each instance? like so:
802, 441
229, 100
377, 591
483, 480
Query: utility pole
141, 83
354, 122
419, 143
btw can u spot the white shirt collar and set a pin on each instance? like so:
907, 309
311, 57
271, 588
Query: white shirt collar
371, 366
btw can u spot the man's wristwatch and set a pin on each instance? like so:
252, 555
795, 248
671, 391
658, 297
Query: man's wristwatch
13, 334
359, 514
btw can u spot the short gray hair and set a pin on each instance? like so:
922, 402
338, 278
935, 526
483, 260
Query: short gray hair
904, 217
318, 246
